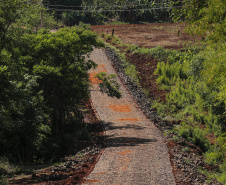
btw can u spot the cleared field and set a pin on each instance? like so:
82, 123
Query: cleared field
167, 35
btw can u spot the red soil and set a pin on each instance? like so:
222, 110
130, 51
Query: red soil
146, 65
128, 119
167, 35
120, 108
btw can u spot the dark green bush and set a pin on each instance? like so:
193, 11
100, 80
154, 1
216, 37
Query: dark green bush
195, 135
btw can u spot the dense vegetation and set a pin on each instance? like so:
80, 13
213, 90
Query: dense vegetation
196, 81
99, 11
44, 82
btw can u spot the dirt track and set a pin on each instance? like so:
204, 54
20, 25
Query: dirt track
136, 152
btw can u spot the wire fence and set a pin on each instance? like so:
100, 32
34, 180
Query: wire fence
103, 6
110, 10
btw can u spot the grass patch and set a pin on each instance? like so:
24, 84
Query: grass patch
131, 71
117, 23
108, 37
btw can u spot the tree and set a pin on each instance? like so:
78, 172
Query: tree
60, 63
69, 18
31, 17
44, 82
205, 17
188, 10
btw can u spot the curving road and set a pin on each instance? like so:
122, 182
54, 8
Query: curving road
136, 152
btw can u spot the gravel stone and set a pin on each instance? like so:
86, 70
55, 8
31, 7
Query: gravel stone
135, 152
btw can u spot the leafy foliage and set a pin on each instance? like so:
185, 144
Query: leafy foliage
196, 96
196, 81
206, 18
44, 82
101, 12
195, 135
109, 85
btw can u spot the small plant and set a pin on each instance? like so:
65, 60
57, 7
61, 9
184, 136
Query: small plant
130, 71
185, 149
175, 138
187, 161
146, 91
131, 47
57, 164
222, 177
6, 168
158, 52
216, 153
108, 37
116, 40
102, 35
213, 158
209, 174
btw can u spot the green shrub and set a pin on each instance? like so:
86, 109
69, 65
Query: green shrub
216, 154
163, 80
161, 109
131, 47
123, 58
195, 135
130, 71
102, 35
115, 40
213, 158
160, 67
164, 87
7, 169
196, 65
169, 74
159, 52
143, 51
177, 56
108, 37
222, 177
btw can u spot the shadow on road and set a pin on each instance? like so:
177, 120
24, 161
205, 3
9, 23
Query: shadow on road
115, 141
109, 126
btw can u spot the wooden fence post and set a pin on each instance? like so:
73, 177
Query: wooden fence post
113, 32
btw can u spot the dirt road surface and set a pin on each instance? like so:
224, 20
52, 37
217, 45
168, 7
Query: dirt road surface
167, 35
136, 152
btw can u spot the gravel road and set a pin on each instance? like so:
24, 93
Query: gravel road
135, 152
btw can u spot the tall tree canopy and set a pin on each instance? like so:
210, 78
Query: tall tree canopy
43, 80
206, 18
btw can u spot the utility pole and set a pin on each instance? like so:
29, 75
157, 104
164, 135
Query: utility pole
41, 14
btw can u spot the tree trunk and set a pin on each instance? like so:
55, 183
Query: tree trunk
62, 131
56, 123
